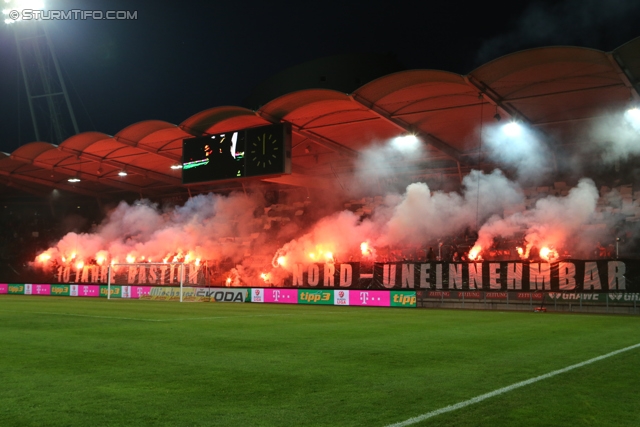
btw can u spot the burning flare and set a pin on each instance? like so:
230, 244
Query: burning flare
364, 248
548, 254
474, 253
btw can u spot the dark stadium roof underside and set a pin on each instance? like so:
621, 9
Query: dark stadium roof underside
555, 89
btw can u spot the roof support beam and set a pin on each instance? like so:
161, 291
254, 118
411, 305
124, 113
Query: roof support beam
147, 149
563, 92
494, 98
406, 127
625, 75
320, 140
328, 125
454, 107
556, 122
145, 172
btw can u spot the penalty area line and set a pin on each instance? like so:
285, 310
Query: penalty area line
507, 389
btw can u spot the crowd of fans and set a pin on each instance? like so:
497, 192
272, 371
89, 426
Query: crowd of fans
31, 228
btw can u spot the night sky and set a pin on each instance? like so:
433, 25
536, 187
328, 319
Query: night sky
176, 60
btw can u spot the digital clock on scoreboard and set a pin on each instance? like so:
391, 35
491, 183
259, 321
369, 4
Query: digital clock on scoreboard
252, 152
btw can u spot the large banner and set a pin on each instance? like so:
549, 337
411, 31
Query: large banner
564, 276
327, 275
135, 274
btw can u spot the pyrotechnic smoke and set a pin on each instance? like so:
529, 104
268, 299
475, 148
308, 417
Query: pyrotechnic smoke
422, 215
207, 227
237, 227
520, 147
617, 136
384, 162
553, 222
335, 237
413, 218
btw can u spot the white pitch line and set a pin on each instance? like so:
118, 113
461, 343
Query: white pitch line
502, 390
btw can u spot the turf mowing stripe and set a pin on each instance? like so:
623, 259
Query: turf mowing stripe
502, 390
144, 320
81, 315
223, 317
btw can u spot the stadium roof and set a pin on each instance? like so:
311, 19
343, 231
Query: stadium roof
556, 89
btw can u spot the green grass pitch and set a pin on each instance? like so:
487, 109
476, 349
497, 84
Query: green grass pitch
93, 362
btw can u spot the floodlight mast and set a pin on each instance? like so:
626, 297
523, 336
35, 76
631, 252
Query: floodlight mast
43, 81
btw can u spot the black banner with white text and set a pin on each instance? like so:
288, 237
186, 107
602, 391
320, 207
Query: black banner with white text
563, 276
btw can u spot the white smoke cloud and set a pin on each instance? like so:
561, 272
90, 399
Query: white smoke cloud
517, 146
387, 161
412, 218
209, 227
422, 215
215, 228
554, 222
617, 135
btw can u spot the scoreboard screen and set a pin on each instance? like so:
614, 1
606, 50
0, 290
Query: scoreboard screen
252, 152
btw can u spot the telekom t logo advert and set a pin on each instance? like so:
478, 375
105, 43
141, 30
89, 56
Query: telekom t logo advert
369, 298
281, 296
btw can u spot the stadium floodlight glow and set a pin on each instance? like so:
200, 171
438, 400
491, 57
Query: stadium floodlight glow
122, 173
13, 9
512, 129
74, 179
409, 139
174, 167
405, 142
633, 116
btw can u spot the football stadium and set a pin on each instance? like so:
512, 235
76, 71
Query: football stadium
428, 248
